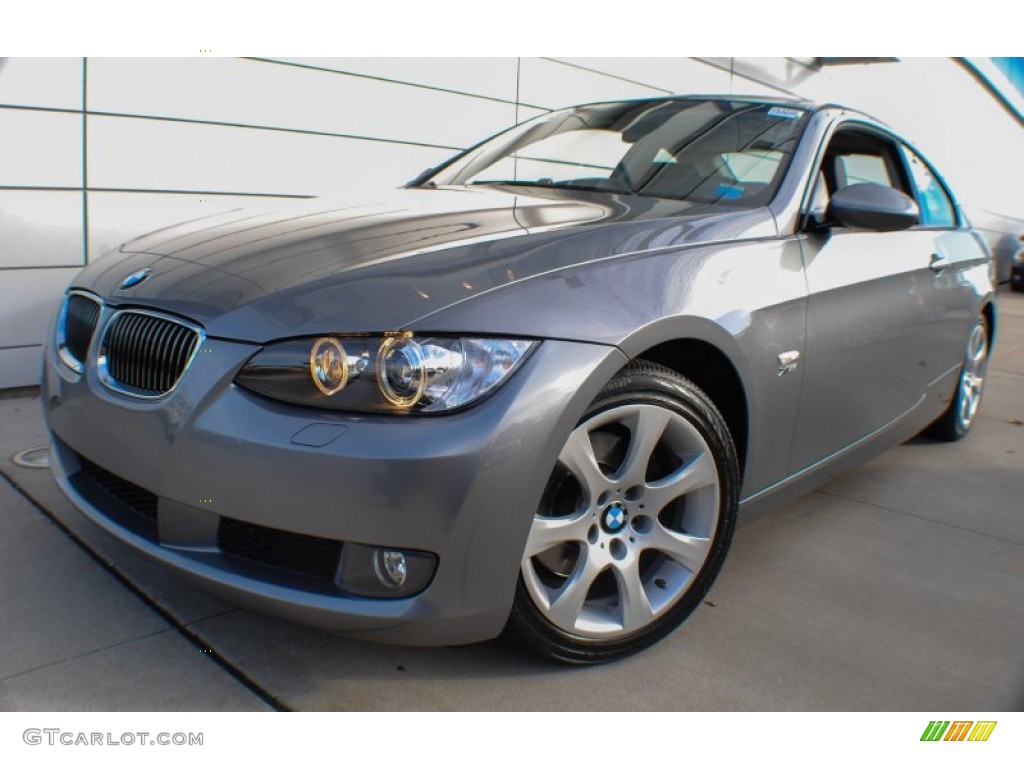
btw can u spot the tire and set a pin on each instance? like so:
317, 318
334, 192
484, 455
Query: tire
1017, 277
634, 524
959, 417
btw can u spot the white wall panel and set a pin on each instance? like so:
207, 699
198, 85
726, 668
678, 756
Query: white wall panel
492, 77
743, 86
552, 84
19, 367
115, 217
160, 155
684, 75
40, 149
41, 82
40, 229
257, 93
785, 73
956, 123
526, 113
678, 75
28, 299
940, 107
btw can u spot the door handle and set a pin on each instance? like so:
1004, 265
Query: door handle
937, 263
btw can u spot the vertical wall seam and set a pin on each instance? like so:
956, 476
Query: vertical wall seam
519, 61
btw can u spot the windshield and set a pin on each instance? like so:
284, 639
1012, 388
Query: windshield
702, 151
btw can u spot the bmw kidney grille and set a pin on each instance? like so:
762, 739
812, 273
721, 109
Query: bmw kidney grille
144, 354
80, 316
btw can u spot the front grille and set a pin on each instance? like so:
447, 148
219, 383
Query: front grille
80, 318
145, 354
296, 552
120, 500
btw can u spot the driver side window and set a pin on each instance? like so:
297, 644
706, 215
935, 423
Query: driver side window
856, 156
861, 169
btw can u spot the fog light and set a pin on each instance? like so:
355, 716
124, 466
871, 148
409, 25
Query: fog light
384, 572
390, 567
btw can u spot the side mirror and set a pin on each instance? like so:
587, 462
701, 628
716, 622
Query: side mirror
873, 206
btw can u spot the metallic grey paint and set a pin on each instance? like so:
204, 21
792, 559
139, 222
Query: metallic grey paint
879, 327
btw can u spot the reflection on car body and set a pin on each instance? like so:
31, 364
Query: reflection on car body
534, 391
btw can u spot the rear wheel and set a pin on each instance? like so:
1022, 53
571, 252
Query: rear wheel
634, 523
958, 419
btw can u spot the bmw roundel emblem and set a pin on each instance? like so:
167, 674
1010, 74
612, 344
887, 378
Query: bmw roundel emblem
134, 279
613, 519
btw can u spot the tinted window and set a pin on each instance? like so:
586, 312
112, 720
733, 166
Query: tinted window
856, 156
936, 207
704, 151
863, 169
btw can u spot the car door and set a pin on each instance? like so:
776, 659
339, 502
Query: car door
872, 340
956, 254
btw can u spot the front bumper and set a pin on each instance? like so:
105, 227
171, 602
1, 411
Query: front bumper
462, 486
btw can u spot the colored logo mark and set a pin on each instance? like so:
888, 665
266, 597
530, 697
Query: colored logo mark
134, 279
958, 730
614, 518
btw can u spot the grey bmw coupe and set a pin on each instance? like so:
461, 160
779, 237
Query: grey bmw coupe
533, 391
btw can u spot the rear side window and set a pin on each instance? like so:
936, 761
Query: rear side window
936, 207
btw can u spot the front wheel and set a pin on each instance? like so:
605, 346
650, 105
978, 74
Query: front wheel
634, 523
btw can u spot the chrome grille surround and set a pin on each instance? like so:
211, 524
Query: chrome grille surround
84, 319
144, 354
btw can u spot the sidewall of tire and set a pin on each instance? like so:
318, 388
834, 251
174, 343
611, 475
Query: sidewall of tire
642, 382
947, 427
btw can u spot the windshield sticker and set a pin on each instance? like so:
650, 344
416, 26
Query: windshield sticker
729, 192
664, 157
786, 112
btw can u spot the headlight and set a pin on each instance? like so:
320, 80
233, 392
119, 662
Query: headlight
395, 373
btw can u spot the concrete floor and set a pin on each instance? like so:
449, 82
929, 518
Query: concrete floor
897, 587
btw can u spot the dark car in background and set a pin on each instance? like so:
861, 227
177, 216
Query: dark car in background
534, 391
1017, 269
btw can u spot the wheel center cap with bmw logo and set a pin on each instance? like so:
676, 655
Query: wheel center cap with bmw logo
613, 519
134, 279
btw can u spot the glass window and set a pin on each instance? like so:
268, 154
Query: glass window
757, 167
936, 207
863, 169
703, 151
563, 157
856, 156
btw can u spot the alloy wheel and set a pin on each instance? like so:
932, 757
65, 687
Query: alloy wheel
972, 378
626, 524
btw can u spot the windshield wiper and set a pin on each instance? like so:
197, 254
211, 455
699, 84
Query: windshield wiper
509, 183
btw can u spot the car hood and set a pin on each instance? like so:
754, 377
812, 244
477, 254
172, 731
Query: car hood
328, 266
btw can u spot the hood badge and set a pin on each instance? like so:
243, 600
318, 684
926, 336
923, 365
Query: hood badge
135, 278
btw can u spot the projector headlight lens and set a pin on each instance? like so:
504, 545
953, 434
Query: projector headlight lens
393, 373
328, 365
401, 372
